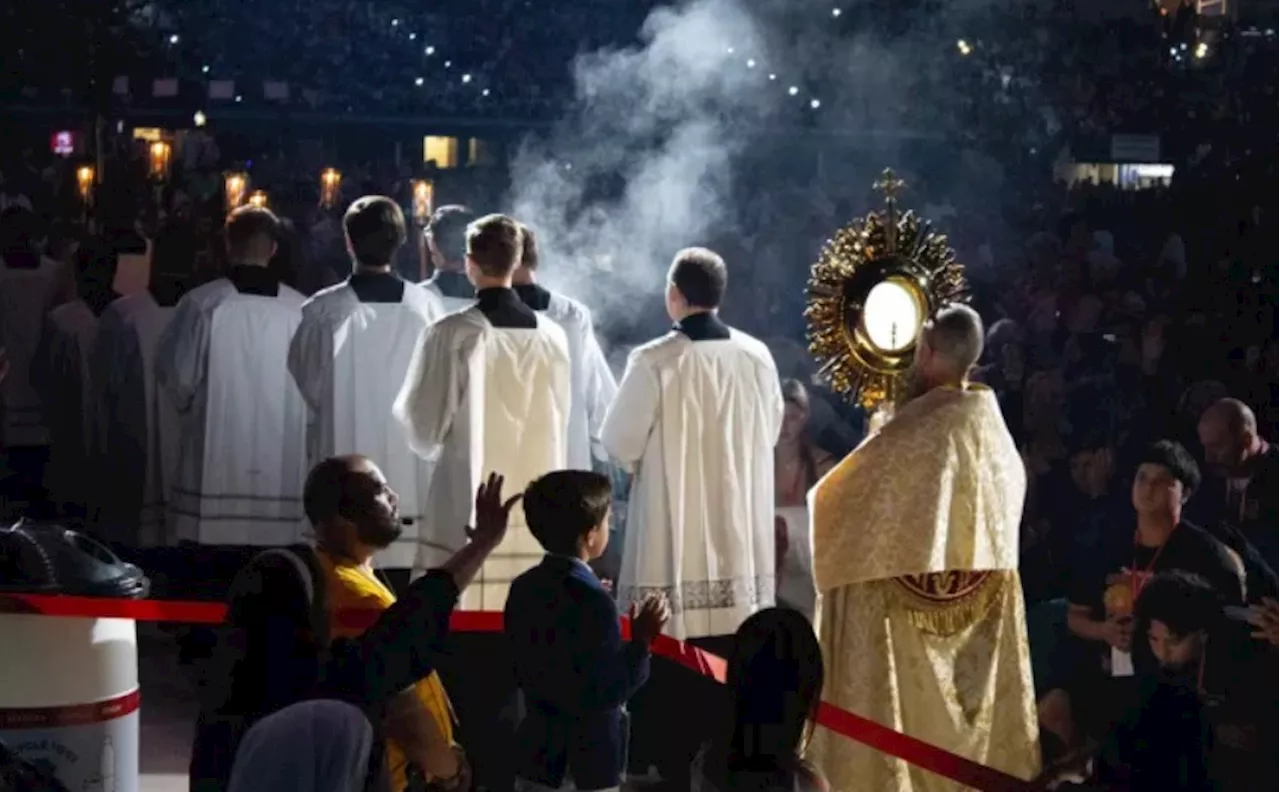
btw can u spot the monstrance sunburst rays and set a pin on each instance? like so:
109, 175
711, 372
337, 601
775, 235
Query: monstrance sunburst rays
883, 246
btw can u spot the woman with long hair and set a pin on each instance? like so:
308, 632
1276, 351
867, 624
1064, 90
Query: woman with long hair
774, 684
798, 463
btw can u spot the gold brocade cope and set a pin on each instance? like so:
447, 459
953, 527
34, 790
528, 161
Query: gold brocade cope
938, 489
944, 603
969, 691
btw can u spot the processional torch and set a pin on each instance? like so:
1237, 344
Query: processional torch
424, 197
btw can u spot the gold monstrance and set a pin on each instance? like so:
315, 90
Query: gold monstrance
876, 283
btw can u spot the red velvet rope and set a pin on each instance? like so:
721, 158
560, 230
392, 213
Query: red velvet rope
869, 733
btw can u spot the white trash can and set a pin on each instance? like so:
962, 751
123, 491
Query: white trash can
69, 699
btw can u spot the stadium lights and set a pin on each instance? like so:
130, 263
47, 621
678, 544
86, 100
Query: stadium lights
418, 82
793, 90
429, 51
964, 47
751, 63
466, 78
174, 39
814, 104
1202, 50
835, 12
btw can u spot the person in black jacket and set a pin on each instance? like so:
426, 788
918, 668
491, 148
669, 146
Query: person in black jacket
571, 663
275, 650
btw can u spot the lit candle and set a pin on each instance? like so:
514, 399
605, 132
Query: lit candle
423, 199
236, 184
84, 180
161, 154
330, 182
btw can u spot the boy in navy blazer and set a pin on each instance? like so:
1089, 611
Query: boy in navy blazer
571, 663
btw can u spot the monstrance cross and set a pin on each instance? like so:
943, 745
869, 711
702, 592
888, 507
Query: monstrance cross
889, 184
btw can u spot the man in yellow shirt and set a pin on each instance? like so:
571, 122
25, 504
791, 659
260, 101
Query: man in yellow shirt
354, 514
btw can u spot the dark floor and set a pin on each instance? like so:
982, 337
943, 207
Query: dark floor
168, 712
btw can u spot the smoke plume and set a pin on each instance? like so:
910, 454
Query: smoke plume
662, 137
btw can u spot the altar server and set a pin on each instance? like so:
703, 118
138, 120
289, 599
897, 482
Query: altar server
488, 390
593, 385
139, 426
349, 359
62, 375
223, 361
696, 418
447, 243
29, 284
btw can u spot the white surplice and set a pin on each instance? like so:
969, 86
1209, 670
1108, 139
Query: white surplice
349, 359
223, 361
450, 304
62, 376
139, 427
697, 422
26, 295
592, 383
480, 399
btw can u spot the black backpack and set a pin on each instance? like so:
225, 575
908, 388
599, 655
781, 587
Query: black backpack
269, 654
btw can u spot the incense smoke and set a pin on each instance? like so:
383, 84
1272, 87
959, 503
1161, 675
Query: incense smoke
663, 136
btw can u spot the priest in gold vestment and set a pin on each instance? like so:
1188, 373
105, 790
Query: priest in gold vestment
922, 621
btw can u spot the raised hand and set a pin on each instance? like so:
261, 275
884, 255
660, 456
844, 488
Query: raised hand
648, 620
1265, 618
492, 512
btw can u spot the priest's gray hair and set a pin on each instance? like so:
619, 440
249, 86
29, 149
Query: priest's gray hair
955, 335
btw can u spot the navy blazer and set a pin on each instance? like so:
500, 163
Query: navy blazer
575, 672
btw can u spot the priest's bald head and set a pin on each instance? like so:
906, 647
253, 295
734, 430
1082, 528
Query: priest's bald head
696, 283
949, 345
1228, 431
494, 246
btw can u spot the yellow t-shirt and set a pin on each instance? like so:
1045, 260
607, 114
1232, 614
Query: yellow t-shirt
351, 587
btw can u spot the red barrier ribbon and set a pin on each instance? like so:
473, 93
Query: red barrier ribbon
871, 734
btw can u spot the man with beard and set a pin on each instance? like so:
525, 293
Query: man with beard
356, 514
915, 539
298, 628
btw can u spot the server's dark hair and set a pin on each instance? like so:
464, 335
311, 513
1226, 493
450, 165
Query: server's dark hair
375, 230
449, 231
701, 276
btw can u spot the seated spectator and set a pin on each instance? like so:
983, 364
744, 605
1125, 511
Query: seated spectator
1105, 585
1241, 496
276, 650
571, 663
313, 746
1205, 715
354, 514
775, 679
